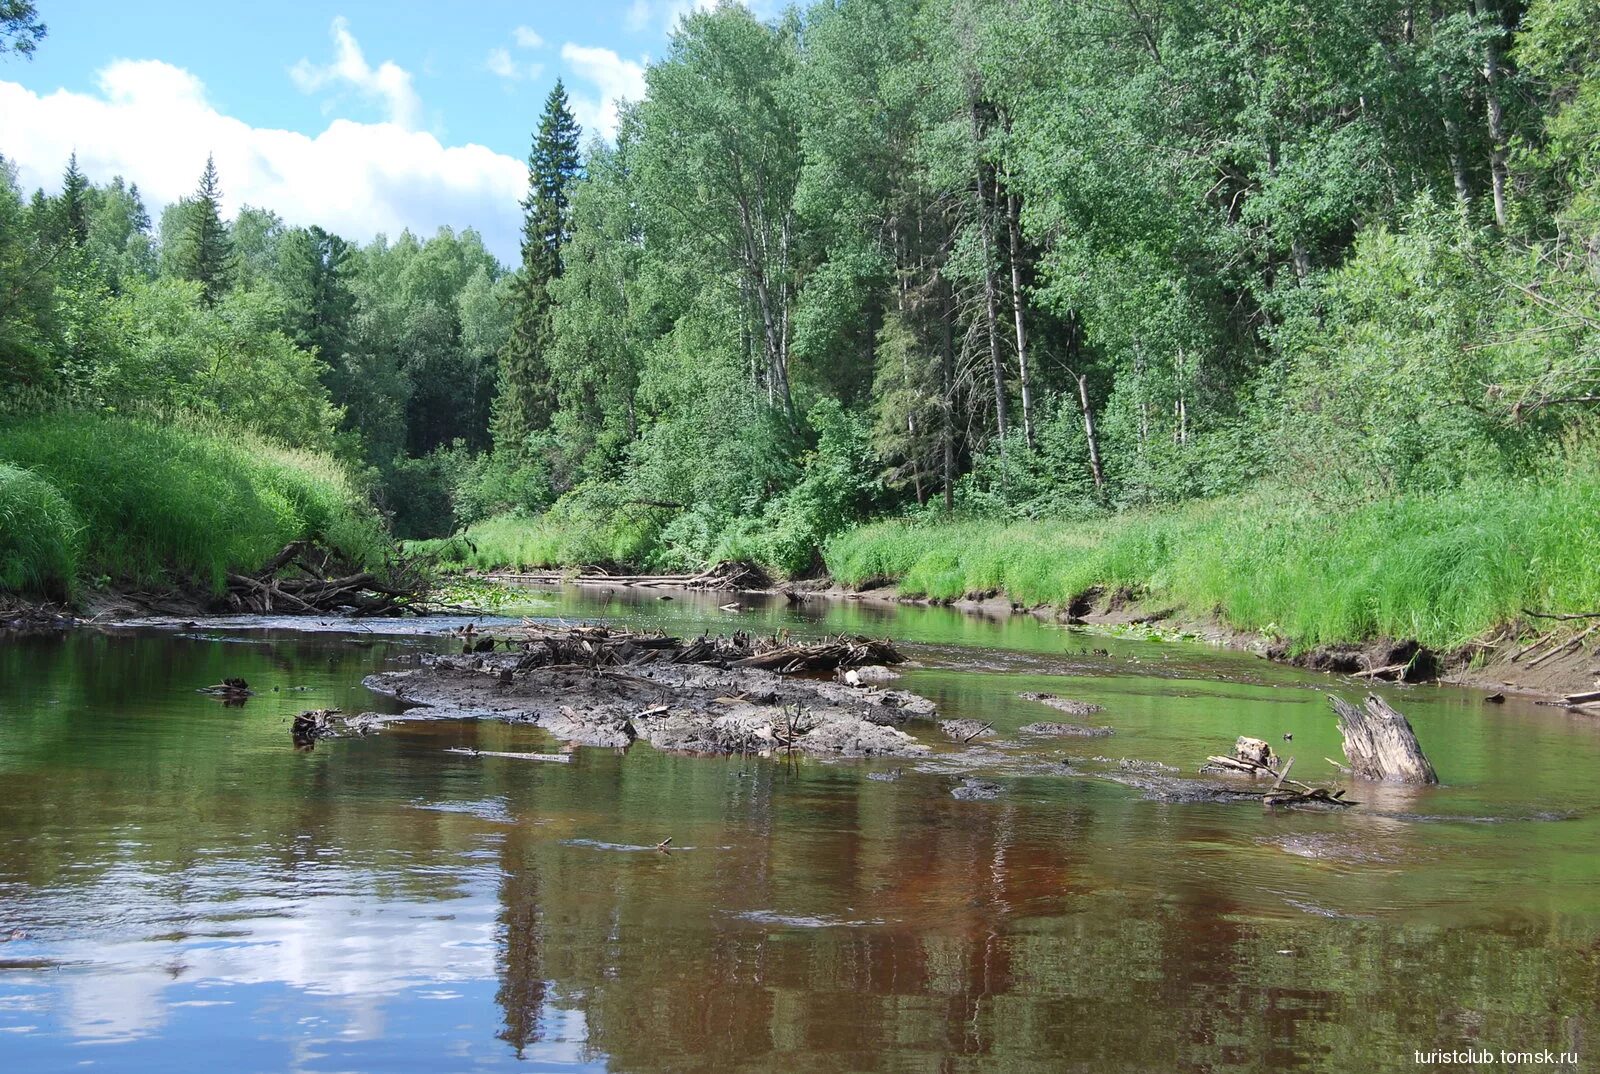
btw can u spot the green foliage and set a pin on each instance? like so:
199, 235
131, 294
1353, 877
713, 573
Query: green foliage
586, 527
202, 250
1441, 568
40, 536
188, 502
835, 488
527, 392
165, 349
20, 28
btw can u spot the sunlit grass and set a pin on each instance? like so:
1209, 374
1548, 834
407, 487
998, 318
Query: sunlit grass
185, 502
39, 535
553, 540
1441, 568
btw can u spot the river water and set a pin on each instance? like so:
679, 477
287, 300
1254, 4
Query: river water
180, 889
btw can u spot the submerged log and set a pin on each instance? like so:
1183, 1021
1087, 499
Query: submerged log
1380, 743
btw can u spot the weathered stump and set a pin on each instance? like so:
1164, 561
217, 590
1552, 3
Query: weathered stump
1380, 743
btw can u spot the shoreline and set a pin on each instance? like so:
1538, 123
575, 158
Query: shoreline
1489, 664
1501, 662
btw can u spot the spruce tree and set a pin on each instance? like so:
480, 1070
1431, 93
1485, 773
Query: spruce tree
206, 257
526, 397
75, 203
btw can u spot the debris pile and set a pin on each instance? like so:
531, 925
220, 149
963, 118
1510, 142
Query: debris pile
306, 578
312, 725
1254, 758
605, 647
600, 686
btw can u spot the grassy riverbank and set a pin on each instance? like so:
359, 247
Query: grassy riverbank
553, 540
1442, 568
132, 501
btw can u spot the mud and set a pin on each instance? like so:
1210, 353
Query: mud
688, 708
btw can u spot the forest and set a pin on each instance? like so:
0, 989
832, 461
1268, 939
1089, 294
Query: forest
1289, 308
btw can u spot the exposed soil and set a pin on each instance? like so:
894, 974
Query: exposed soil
695, 708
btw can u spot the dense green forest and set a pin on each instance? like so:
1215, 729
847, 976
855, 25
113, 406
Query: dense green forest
1053, 264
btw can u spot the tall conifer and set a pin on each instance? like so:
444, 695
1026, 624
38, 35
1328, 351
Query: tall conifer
75, 203
526, 396
207, 255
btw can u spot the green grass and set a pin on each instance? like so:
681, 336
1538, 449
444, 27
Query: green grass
189, 502
1441, 568
39, 536
559, 538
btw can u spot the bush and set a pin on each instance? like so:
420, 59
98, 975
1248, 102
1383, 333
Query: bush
39, 536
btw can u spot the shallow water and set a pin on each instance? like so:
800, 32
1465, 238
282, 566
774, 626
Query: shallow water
185, 890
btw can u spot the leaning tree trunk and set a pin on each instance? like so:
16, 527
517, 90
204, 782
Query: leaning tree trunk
1380, 743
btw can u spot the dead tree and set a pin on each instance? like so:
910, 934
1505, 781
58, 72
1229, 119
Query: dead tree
1380, 743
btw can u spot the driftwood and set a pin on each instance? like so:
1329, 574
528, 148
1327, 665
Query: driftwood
1254, 757
550, 758
312, 725
606, 647
731, 575
1380, 743
1250, 757
229, 689
1570, 644
305, 578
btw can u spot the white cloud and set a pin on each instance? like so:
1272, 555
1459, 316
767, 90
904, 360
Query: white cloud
613, 78
389, 84
152, 123
501, 63
662, 14
527, 37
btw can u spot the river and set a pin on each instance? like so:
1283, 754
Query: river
181, 889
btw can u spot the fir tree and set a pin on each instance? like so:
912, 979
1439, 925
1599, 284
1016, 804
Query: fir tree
526, 396
207, 257
75, 203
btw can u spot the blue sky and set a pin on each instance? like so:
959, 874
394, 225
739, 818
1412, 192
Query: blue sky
360, 116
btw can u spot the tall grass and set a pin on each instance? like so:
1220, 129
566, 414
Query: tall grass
39, 536
556, 539
1441, 568
186, 502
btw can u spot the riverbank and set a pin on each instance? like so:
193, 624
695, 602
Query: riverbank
1466, 573
94, 501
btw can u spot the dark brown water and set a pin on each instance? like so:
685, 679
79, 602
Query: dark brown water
190, 893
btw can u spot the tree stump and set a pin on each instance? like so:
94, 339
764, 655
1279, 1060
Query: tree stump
1380, 743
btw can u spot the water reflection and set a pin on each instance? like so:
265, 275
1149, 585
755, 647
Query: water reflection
185, 882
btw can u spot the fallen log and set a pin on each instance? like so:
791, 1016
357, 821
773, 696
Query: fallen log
1380, 743
551, 758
